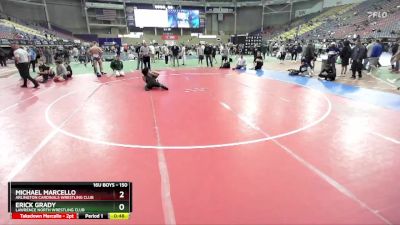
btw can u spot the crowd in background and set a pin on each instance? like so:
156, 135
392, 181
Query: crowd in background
360, 56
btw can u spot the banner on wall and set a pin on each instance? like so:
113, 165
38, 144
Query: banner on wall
169, 37
110, 41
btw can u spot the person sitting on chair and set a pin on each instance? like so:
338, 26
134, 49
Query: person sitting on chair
150, 77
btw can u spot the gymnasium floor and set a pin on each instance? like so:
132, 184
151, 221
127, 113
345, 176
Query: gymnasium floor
220, 147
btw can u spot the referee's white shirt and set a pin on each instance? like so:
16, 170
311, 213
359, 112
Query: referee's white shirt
21, 55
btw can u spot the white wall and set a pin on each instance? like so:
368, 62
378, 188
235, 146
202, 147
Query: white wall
248, 19
33, 13
69, 15
65, 14
331, 3
313, 9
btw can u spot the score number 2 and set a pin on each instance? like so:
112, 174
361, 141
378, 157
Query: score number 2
121, 196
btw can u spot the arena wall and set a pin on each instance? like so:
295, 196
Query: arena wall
70, 16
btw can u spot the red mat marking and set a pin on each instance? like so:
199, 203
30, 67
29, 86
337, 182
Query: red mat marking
257, 183
193, 101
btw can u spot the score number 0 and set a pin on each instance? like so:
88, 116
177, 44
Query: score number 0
121, 195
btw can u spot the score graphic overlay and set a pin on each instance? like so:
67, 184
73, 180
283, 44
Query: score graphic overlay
70, 200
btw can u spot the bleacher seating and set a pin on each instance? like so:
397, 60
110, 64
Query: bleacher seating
13, 28
22, 28
315, 22
359, 23
344, 21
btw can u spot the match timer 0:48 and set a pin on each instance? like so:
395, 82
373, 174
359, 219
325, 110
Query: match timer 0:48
70, 200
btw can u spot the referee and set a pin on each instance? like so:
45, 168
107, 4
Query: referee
22, 62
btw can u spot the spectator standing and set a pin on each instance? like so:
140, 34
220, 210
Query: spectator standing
67, 55
157, 49
214, 53
333, 52
183, 52
271, 49
254, 50
208, 52
309, 54
53, 52
358, 54
345, 55
298, 50
282, 50
166, 53
224, 54
75, 53
139, 57
175, 54
395, 60
264, 50
145, 52
369, 51
47, 55
200, 53
376, 53
3, 58
152, 53
395, 48
32, 57
293, 52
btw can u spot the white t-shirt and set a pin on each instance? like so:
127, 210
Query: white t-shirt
282, 48
369, 49
21, 55
225, 52
241, 62
152, 49
166, 50
200, 50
